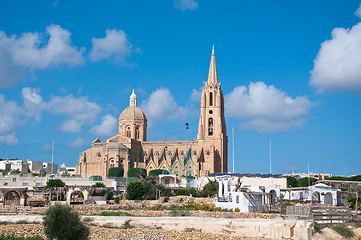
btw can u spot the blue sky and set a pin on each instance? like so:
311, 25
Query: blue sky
290, 72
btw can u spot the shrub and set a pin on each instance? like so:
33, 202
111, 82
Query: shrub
210, 189
343, 230
135, 191
157, 172
116, 172
117, 200
127, 225
54, 183
115, 214
237, 209
303, 182
98, 185
182, 192
61, 223
137, 172
109, 196
291, 181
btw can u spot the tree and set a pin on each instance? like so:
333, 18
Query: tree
109, 196
210, 189
98, 185
303, 182
291, 181
61, 223
54, 183
116, 172
157, 172
137, 172
135, 191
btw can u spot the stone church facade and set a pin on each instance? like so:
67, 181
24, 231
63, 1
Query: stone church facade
129, 148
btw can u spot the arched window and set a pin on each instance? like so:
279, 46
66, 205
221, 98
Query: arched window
129, 134
210, 99
137, 133
112, 163
210, 127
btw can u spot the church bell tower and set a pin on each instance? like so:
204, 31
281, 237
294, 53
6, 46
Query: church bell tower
212, 124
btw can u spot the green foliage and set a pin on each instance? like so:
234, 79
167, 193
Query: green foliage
210, 189
115, 214
135, 191
237, 210
15, 171
179, 213
157, 172
317, 227
339, 178
80, 195
55, 183
61, 223
343, 230
109, 196
291, 181
182, 192
352, 201
116, 172
127, 225
12, 237
303, 182
355, 178
137, 172
117, 200
98, 185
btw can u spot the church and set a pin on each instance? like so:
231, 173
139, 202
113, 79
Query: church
129, 148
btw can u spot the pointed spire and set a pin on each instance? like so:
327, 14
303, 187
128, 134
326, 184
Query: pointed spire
212, 76
133, 99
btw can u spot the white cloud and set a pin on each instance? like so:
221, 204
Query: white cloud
107, 126
337, 66
71, 126
33, 102
358, 12
78, 142
265, 108
35, 51
185, 4
10, 116
79, 110
9, 139
161, 106
115, 45
10, 73
196, 95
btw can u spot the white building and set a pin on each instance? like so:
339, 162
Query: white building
246, 199
320, 193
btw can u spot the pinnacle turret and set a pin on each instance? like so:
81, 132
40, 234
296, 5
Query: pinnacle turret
212, 76
133, 99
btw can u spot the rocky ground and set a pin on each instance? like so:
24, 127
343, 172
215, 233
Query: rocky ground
96, 232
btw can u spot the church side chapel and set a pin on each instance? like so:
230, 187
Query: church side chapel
129, 148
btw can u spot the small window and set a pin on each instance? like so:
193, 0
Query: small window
14, 179
25, 184
6, 184
210, 99
38, 184
129, 134
237, 199
137, 133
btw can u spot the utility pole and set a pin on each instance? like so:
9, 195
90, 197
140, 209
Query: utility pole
187, 127
270, 156
42, 160
233, 147
52, 160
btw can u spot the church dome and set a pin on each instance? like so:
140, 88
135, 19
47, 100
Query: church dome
132, 113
